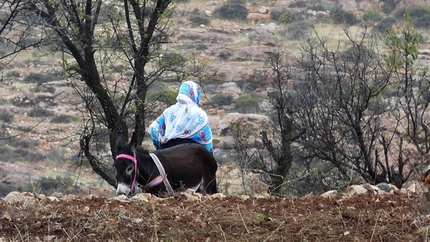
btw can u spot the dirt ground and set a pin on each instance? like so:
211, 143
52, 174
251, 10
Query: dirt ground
391, 217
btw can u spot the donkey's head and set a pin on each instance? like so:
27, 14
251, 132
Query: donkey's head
126, 166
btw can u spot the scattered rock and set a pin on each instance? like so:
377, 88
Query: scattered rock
330, 194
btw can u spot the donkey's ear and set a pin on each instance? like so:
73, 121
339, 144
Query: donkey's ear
120, 144
133, 142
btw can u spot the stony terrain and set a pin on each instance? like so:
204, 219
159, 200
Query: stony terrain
186, 216
95, 215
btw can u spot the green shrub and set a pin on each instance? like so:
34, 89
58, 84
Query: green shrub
422, 22
64, 119
247, 103
6, 116
170, 60
355, 54
419, 14
166, 96
22, 143
34, 157
13, 74
41, 78
372, 16
197, 18
298, 4
6, 189
39, 112
201, 47
33, 78
235, 10
49, 185
340, 16
283, 16
385, 24
388, 6
222, 99
318, 7
414, 12
298, 30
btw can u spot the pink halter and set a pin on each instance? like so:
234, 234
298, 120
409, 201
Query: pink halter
153, 183
132, 158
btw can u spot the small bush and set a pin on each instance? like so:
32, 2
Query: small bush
64, 119
419, 14
49, 185
39, 112
247, 104
41, 78
235, 10
388, 6
414, 12
197, 18
298, 30
6, 189
34, 157
372, 16
166, 96
222, 99
340, 16
283, 17
355, 54
22, 143
33, 78
422, 22
172, 60
15, 74
385, 24
298, 4
55, 155
201, 47
318, 7
5, 116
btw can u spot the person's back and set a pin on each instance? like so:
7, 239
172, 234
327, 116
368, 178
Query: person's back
183, 122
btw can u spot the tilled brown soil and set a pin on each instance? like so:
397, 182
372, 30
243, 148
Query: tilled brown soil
395, 217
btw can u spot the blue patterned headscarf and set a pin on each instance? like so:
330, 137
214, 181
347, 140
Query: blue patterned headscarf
192, 90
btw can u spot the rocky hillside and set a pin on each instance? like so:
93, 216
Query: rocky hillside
38, 106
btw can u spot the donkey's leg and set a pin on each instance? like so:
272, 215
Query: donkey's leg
198, 186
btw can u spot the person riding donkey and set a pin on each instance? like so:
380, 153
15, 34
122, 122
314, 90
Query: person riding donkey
183, 122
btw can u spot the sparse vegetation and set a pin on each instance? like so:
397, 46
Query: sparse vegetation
385, 24
247, 103
41, 78
6, 116
49, 185
166, 96
340, 16
222, 99
64, 119
198, 18
372, 16
420, 15
38, 112
298, 4
298, 30
388, 6
234, 10
283, 16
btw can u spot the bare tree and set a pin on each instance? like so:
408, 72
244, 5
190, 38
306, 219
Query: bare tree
97, 37
274, 159
16, 31
411, 97
349, 113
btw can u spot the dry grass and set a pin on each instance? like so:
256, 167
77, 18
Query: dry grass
313, 218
